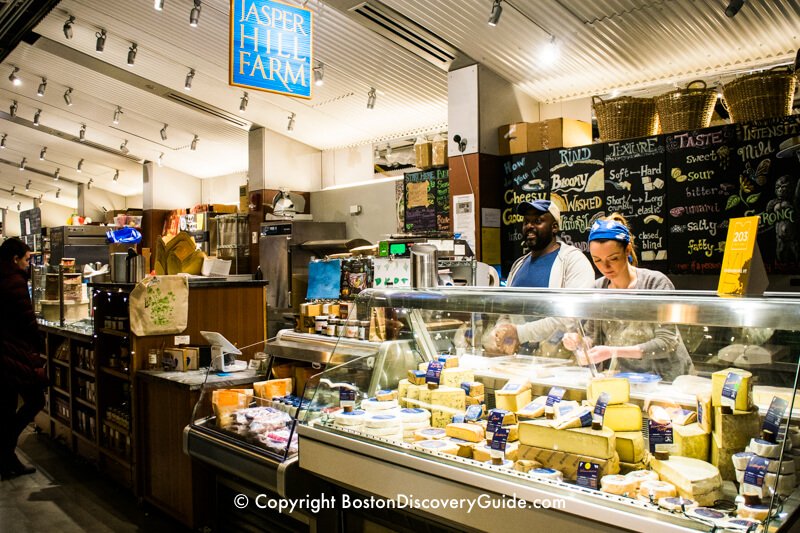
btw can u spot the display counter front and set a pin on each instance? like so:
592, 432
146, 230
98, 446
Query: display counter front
606, 409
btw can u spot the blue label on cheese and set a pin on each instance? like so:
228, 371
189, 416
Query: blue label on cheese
459, 419
511, 387
600, 406
473, 413
772, 421
554, 396
434, 373
588, 474
756, 470
730, 389
347, 395
495, 420
660, 434
499, 439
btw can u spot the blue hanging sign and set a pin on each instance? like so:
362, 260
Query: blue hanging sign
271, 46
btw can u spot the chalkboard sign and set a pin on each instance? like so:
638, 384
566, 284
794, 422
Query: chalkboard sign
702, 177
635, 187
526, 177
577, 188
425, 207
768, 185
30, 221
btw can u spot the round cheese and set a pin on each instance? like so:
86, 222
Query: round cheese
676, 503
764, 448
786, 466
794, 435
382, 421
547, 473
430, 434
655, 490
739, 476
373, 404
413, 426
638, 476
786, 483
616, 484
353, 418
410, 415
383, 431
437, 446
744, 524
705, 513
506, 464
741, 459
756, 512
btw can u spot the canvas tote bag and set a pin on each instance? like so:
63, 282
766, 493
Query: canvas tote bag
159, 305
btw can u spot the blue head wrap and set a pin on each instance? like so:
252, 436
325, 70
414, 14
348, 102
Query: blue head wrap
610, 229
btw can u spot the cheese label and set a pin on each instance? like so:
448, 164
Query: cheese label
588, 474
473, 413
772, 421
434, 373
495, 420
600, 407
499, 439
459, 419
467, 386
661, 437
730, 389
347, 397
554, 396
511, 387
756, 471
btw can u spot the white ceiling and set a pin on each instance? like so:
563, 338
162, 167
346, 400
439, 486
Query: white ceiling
631, 45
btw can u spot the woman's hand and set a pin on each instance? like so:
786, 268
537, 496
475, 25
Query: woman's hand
503, 339
598, 354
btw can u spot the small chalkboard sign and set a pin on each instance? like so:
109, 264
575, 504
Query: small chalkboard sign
30, 221
426, 211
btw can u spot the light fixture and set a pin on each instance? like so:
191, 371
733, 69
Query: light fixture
36, 117
89, 184
42, 87
124, 147
132, 54
22, 163
194, 15
160, 160
80, 166
56, 174
189, 77
116, 175
371, 96
158, 5
497, 10
58, 192
3, 141
28, 185
117, 113
13, 109
42, 153
68, 96
68, 27
19, 206
243, 103
318, 74
101, 41
82, 133
193, 146
13, 191
41, 197
13, 78
290, 125
549, 52
164, 132
733, 7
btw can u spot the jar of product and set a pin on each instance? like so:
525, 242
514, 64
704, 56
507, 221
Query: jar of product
331, 329
320, 324
351, 330
340, 327
363, 327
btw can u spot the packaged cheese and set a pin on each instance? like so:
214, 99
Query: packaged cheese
568, 463
534, 409
273, 388
482, 452
617, 484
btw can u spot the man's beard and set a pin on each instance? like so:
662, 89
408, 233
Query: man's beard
537, 244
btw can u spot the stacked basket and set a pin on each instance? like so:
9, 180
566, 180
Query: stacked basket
761, 95
686, 109
625, 117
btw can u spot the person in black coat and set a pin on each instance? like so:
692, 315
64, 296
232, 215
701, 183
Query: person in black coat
21, 369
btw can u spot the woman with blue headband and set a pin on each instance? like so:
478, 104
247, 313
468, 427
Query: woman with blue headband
629, 346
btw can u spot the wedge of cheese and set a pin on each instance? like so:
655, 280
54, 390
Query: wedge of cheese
690, 441
473, 388
582, 441
618, 389
567, 463
455, 376
402, 391
630, 446
693, 478
273, 388
483, 452
513, 397
467, 432
744, 397
623, 417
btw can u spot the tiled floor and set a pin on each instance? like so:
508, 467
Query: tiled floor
68, 495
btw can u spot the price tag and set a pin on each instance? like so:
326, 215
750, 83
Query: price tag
495, 420
554, 396
434, 373
499, 439
588, 474
756, 471
742, 269
660, 436
600, 407
730, 389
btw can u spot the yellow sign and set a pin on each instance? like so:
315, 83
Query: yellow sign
742, 268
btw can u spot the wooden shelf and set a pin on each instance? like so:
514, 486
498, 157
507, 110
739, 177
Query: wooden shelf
58, 420
115, 456
59, 362
114, 332
60, 391
85, 403
115, 373
85, 372
84, 438
117, 427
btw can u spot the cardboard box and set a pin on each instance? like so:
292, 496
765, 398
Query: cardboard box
513, 138
523, 137
567, 463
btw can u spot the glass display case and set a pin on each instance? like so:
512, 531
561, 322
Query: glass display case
641, 410
61, 298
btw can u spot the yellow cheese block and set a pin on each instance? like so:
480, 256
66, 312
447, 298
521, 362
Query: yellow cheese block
273, 388
722, 458
465, 448
412, 395
402, 391
744, 398
512, 400
567, 463
440, 419
508, 417
455, 376
630, 446
704, 412
734, 431
584, 441
618, 389
694, 479
474, 400
482, 452
467, 432
473, 388
449, 361
690, 441
623, 417
415, 378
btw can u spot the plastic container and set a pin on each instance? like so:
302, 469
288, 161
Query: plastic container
641, 382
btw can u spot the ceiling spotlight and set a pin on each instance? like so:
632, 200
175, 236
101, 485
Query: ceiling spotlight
13, 191
124, 147
549, 52
733, 7
56, 174
243, 103
58, 192
117, 113
89, 184
318, 74
19, 206
132, 53
68, 27
42, 87
28, 185
101, 41
158, 5
116, 175
68, 96
13, 109
36, 117
42, 153
194, 15
80, 166
164, 132
193, 146
160, 160
22, 163
82, 133
497, 10
189, 77
3, 141
371, 96
290, 126
13, 78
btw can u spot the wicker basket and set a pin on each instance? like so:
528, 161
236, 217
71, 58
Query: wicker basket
686, 109
625, 117
761, 95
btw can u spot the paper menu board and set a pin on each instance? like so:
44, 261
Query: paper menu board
392, 272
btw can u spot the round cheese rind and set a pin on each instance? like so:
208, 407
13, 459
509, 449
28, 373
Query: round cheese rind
739, 476
638, 476
756, 512
506, 464
764, 448
674, 503
740, 460
411, 427
786, 466
739, 523
437, 446
617, 484
382, 421
705, 513
414, 414
786, 482
353, 418
654, 489
430, 434
547, 473
373, 404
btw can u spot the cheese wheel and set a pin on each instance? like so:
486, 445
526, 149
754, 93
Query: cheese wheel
764, 448
741, 459
373, 404
430, 434
786, 466
616, 484
786, 483
506, 464
440, 445
383, 432
794, 436
676, 503
547, 473
756, 511
411, 427
653, 489
467, 432
754, 490
739, 475
352, 418
744, 524
705, 513
638, 476
414, 415
385, 395
382, 421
